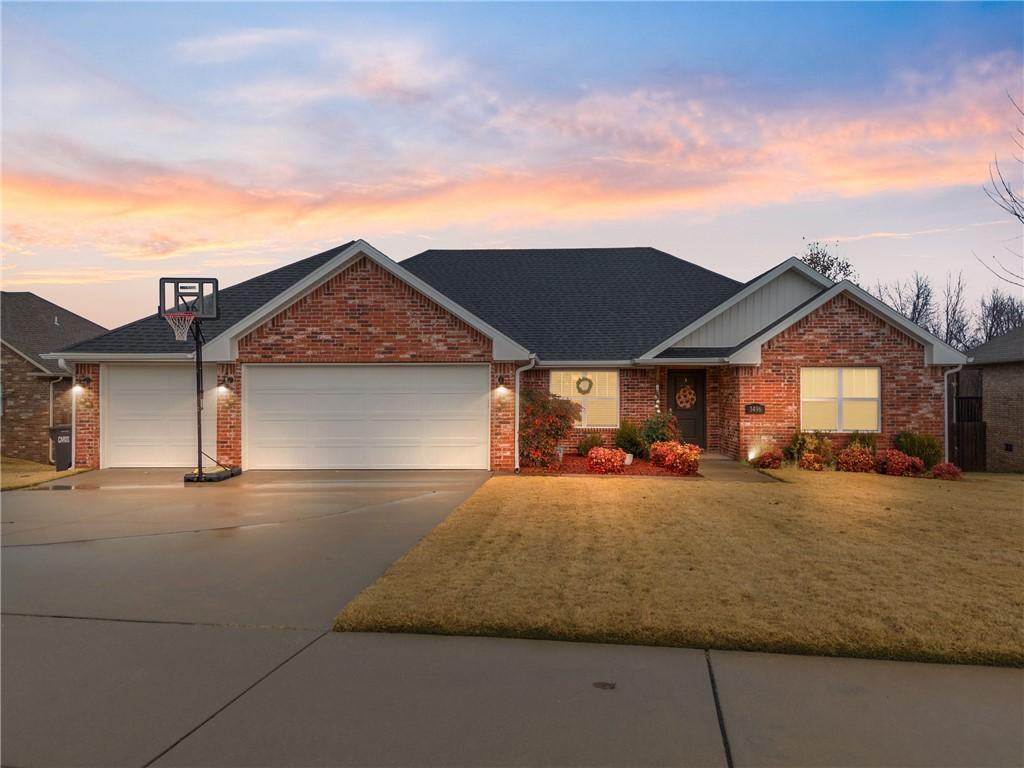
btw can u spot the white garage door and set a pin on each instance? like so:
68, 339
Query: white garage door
365, 417
148, 415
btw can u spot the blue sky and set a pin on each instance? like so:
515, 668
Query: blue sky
149, 139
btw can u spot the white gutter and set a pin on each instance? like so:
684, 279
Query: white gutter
528, 366
119, 357
950, 417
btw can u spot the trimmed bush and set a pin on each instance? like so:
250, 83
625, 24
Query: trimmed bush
770, 459
606, 461
920, 444
660, 450
660, 428
545, 421
683, 458
629, 439
812, 461
862, 440
856, 458
947, 471
898, 464
593, 440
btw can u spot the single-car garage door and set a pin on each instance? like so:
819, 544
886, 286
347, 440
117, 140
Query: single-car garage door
148, 415
365, 416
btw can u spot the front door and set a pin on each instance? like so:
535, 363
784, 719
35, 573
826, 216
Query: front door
686, 399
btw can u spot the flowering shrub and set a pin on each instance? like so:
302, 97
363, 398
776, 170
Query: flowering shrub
771, 459
660, 450
606, 461
898, 464
811, 461
947, 471
660, 428
545, 421
856, 458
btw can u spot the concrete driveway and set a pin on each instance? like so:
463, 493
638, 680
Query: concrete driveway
146, 623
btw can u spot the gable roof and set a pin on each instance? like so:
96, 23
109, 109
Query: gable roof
1008, 348
152, 336
577, 304
33, 326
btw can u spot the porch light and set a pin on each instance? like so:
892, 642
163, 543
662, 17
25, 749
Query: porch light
221, 389
77, 390
501, 389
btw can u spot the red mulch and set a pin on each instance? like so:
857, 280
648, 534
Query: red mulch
574, 464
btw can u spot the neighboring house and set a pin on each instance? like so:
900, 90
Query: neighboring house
989, 412
36, 393
349, 359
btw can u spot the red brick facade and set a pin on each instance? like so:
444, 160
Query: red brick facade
229, 414
24, 431
1002, 404
503, 416
87, 416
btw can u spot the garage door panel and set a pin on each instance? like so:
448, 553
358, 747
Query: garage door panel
149, 415
420, 416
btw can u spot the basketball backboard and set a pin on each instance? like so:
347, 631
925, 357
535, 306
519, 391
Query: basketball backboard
195, 295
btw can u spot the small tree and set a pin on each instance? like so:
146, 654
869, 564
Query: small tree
821, 258
545, 421
913, 298
998, 314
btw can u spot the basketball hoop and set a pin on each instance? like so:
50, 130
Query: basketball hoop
180, 322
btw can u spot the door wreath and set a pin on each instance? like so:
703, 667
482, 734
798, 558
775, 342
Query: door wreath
686, 398
584, 384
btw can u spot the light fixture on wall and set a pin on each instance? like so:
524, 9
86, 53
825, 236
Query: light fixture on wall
84, 381
501, 389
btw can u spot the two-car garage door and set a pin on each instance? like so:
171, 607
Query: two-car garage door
304, 416
365, 416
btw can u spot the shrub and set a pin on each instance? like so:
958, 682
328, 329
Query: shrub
593, 440
545, 421
898, 464
606, 461
947, 471
683, 458
856, 458
862, 440
796, 447
815, 442
660, 450
660, 428
924, 446
812, 461
629, 439
770, 459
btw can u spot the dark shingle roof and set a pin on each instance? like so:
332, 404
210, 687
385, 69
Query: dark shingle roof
577, 303
1008, 348
33, 326
153, 335
682, 353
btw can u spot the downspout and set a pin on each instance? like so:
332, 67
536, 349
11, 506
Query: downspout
528, 366
950, 416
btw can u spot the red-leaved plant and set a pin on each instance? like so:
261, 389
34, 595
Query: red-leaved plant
659, 451
856, 458
545, 421
606, 461
898, 464
678, 458
947, 471
770, 459
811, 461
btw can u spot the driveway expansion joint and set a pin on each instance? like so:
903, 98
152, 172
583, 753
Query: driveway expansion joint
281, 627
718, 709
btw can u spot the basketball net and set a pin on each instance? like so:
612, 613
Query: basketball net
180, 322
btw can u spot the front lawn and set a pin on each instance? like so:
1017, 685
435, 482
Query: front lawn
828, 563
19, 473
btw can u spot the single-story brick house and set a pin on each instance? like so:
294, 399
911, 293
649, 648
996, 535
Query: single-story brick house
989, 394
35, 393
350, 359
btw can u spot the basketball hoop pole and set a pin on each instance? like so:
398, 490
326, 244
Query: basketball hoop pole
197, 333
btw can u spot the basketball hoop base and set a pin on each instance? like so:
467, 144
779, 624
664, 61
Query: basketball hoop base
213, 475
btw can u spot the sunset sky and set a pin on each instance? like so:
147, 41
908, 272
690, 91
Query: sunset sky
142, 140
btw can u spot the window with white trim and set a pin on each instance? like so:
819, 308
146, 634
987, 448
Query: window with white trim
840, 399
596, 391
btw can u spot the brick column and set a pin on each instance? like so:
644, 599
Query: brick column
87, 416
503, 417
229, 414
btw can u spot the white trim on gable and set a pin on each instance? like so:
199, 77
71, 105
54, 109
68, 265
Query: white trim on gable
224, 347
28, 359
791, 264
936, 351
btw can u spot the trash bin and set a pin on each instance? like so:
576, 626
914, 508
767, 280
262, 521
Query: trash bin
61, 436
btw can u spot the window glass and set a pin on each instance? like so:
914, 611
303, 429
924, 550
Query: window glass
819, 414
844, 399
860, 382
861, 415
600, 406
819, 382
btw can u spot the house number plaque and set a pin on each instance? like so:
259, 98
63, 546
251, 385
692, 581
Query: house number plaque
757, 408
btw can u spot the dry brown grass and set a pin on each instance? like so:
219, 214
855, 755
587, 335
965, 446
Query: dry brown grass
829, 563
19, 473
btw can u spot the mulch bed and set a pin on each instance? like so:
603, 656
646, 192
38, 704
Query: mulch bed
573, 464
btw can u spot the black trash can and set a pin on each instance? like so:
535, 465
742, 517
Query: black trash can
61, 436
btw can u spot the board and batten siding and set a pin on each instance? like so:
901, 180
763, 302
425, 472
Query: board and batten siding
754, 313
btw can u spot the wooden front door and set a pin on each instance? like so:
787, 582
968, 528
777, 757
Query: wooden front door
686, 399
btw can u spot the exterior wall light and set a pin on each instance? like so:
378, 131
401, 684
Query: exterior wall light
501, 390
